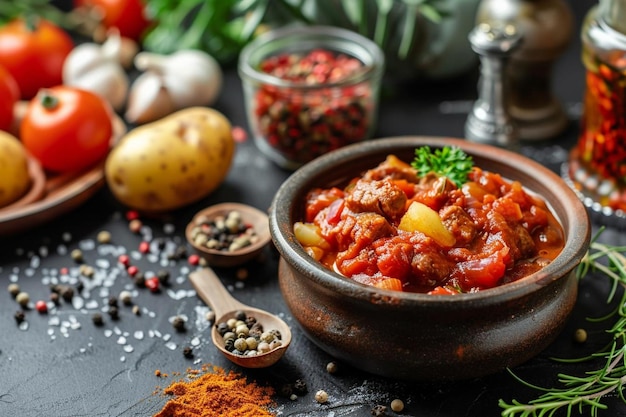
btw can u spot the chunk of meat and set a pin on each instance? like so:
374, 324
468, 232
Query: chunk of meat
360, 230
459, 223
381, 197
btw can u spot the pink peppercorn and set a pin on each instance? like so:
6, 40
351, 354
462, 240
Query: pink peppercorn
193, 259
132, 270
124, 260
41, 307
153, 284
144, 247
132, 215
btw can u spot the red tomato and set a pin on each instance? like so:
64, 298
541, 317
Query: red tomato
34, 54
128, 16
67, 129
9, 94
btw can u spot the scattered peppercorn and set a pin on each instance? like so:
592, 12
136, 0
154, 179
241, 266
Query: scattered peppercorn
87, 271
112, 301
153, 284
114, 313
54, 297
104, 237
135, 225
144, 247
164, 276
22, 298
67, 293
136, 310
140, 280
19, 316
179, 324
97, 319
321, 396
77, 255
379, 410
397, 405
132, 270
124, 260
126, 297
580, 335
300, 387
41, 307
193, 259
188, 352
14, 289
331, 367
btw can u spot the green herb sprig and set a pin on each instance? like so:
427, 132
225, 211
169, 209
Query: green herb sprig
580, 393
450, 161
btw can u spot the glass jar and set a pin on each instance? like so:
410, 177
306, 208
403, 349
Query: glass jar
309, 90
597, 164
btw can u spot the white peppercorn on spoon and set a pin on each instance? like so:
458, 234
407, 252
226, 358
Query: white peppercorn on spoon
212, 291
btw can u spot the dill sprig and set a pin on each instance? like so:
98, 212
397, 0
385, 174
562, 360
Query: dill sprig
580, 393
450, 161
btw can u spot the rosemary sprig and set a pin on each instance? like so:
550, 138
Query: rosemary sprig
580, 393
450, 161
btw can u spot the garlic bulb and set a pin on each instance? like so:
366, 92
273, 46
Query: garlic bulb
97, 68
173, 82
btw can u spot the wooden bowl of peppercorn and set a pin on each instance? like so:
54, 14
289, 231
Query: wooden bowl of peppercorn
414, 335
228, 234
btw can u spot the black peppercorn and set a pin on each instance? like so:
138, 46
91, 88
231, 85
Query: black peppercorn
114, 313
188, 352
222, 328
163, 276
240, 315
140, 280
113, 301
19, 316
97, 319
80, 286
300, 387
54, 297
67, 293
179, 324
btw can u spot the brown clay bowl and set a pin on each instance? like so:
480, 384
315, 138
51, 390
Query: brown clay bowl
222, 258
417, 336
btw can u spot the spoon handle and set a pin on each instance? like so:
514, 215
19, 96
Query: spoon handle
212, 291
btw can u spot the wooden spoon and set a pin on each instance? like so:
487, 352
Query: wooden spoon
212, 291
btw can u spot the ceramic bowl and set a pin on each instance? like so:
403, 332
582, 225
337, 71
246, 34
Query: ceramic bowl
224, 258
418, 336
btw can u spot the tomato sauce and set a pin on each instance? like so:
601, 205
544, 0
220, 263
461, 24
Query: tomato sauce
380, 230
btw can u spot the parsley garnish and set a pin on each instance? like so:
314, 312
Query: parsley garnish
449, 161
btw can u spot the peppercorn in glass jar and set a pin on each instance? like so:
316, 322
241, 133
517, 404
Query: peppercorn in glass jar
597, 165
310, 90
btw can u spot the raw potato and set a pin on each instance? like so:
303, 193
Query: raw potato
172, 162
14, 176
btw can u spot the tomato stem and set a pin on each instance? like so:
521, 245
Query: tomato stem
48, 100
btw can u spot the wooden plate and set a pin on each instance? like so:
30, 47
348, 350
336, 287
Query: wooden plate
53, 195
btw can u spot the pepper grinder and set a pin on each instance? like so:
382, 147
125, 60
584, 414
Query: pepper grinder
489, 121
548, 28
